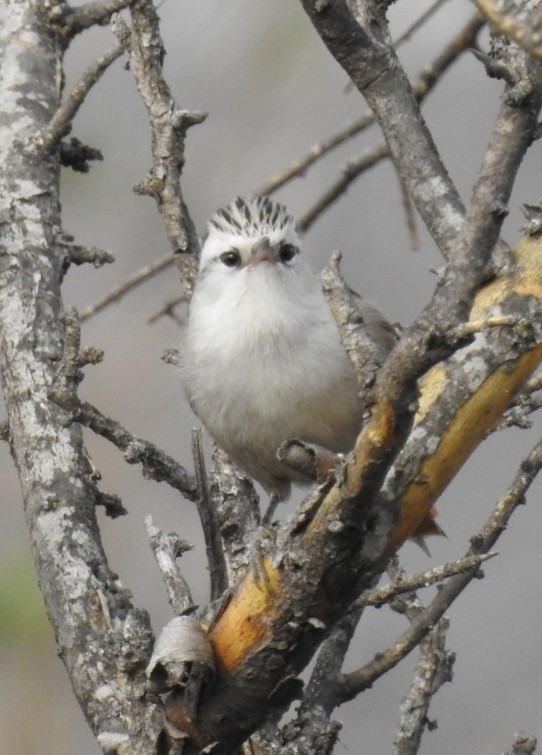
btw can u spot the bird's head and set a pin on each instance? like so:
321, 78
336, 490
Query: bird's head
246, 234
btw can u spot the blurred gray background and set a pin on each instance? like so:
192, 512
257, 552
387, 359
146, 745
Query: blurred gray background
271, 91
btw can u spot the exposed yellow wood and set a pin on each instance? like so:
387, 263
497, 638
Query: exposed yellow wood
246, 620
467, 429
483, 409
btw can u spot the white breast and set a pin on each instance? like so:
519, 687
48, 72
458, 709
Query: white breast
263, 363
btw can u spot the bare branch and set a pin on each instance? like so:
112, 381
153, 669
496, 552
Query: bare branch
527, 34
209, 522
513, 134
434, 667
135, 280
168, 129
419, 22
101, 636
72, 21
350, 172
356, 681
523, 745
426, 81
156, 464
234, 499
354, 168
168, 309
374, 68
61, 122
315, 153
410, 582
422, 86
167, 549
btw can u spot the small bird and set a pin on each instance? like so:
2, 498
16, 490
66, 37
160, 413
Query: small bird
263, 361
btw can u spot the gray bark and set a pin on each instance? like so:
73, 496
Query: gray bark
103, 640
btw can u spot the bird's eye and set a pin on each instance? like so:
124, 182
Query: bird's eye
231, 258
288, 252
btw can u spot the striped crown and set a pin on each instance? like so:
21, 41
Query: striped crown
255, 217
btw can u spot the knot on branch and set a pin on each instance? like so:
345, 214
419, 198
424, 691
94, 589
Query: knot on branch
152, 186
78, 156
184, 119
111, 503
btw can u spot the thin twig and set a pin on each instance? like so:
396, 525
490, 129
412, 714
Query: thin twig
61, 122
136, 279
424, 84
356, 681
410, 582
167, 549
350, 172
236, 504
363, 49
156, 464
419, 22
433, 669
168, 125
315, 153
209, 522
168, 309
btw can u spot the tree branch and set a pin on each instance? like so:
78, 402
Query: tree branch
168, 130
61, 122
156, 464
209, 522
103, 640
424, 84
433, 669
135, 280
167, 549
376, 72
361, 679
527, 34
70, 21
411, 582
340, 540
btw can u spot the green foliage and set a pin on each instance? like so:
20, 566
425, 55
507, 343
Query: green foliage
22, 616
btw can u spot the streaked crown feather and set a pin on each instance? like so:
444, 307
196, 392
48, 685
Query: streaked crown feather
254, 217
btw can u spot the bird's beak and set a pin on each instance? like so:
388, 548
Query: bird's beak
262, 252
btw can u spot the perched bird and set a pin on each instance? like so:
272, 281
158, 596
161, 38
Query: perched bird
263, 361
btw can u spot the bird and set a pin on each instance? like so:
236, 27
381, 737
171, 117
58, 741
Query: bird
262, 360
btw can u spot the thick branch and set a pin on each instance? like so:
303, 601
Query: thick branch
103, 640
